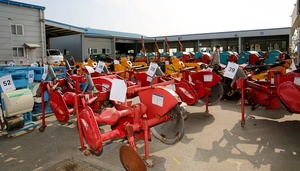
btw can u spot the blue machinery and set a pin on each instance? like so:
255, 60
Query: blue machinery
20, 101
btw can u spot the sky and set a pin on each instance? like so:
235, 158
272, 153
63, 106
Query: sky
170, 17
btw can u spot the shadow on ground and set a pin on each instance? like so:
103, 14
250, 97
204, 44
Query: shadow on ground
261, 142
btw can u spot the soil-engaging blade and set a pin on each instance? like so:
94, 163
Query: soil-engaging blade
217, 92
131, 160
172, 131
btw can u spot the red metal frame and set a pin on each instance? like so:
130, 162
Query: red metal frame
271, 92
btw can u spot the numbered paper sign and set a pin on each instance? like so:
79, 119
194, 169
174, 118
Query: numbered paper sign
297, 80
45, 73
7, 83
118, 90
100, 67
293, 66
231, 70
152, 69
30, 76
116, 62
90, 69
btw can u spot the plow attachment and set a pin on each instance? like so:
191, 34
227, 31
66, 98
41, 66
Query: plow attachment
172, 131
289, 93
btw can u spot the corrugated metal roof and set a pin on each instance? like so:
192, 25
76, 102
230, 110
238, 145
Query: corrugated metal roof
91, 31
21, 4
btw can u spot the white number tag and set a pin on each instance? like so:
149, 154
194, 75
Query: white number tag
100, 67
293, 66
152, 69
297, 80
116, 62
7, 83
30, 76
231, 70
45, 73
118, 90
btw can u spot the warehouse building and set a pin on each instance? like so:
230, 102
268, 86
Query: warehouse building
22, 32
25, 34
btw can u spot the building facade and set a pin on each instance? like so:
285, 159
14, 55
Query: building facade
22, 33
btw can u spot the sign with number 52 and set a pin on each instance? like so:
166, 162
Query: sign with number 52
231, 70
7, 83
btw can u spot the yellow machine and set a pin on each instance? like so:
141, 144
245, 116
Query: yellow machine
283, 66
90, 63
175, 65
128, 65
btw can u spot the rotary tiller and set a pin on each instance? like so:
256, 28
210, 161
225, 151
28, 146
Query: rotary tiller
158, 109
203, 86
62, 92
277, 89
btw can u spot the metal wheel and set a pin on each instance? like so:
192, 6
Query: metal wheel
131, 160
172, 131
217, 92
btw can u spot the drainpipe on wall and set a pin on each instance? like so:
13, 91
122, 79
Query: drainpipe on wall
114, 47
240, 45
83, 47
43, 35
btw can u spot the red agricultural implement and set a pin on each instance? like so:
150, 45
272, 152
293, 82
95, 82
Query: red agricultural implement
159, 109
192, 87
276, 90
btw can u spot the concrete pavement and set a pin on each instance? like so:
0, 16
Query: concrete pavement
269, 141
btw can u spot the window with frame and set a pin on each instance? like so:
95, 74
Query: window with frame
94, 51
189, 49
107, 51
172, 51
18, 51
17, 29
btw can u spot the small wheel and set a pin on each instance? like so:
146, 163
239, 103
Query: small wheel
9, 135
86, 152
41, 129
242, 123
97, 153
149, 162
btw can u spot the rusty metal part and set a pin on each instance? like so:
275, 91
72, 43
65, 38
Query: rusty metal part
216, 95
172, 131
131, 160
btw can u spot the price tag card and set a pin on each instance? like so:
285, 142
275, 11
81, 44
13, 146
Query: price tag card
118, 90
45, 73
30, 76
210, 69
100, 67
116, 62
149, 79
208, 77
297, 80
231, 70
7, 83
293, 66
152, 69
167, 62
90, 69
171, 86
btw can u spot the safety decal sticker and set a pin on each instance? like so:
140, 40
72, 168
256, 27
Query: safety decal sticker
157, 100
